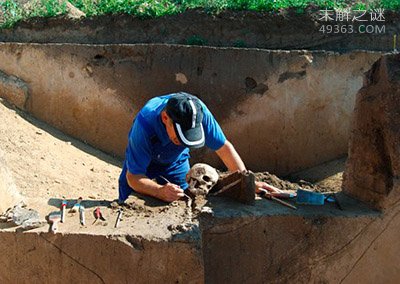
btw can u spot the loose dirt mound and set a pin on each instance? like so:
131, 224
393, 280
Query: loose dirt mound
287, 185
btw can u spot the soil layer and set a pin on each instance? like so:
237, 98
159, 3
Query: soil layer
282, 30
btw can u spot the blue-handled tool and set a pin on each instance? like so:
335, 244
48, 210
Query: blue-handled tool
309, 197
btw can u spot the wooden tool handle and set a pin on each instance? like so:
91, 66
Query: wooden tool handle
268, 195
283, 203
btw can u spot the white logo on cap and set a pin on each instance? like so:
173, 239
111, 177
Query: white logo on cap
194, 111
187, 142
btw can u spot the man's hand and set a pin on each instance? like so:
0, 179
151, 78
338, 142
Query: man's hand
266, 186
142, 184
170, 192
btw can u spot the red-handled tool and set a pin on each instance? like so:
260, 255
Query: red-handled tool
98, 215
283, 195
63, 209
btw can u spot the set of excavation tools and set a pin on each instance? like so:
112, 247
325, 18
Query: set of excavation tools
57, 216
303, 197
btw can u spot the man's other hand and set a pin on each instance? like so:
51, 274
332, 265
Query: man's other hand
266, 186
170, 192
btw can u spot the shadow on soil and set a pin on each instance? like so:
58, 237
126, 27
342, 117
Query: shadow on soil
87, 203
113, 160
320, 172
90, 203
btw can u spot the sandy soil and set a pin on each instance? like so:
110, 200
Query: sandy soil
45, 163
327, 176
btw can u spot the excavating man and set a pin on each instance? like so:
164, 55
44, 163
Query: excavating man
158, 146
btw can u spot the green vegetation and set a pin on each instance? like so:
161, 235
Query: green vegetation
12, 11
196, 40
239, 43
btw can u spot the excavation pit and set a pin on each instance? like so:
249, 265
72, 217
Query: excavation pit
284, 110
229, 241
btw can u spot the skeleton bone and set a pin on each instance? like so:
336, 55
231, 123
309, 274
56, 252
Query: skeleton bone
201, 178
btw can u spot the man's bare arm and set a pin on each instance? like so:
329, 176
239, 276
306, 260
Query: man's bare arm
142, 184
233, 162
230, 157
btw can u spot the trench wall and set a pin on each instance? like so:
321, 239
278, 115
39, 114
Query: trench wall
267, 244
284, 111
82, 258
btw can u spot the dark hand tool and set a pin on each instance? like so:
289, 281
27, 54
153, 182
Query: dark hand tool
119, 218
331, 197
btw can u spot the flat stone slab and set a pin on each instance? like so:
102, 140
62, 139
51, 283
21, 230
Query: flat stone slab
226, 208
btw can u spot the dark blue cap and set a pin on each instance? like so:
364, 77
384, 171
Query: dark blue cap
187, 114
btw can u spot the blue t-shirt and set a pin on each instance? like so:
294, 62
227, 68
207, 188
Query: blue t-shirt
150, 151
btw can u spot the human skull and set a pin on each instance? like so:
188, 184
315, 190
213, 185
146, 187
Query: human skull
201, 178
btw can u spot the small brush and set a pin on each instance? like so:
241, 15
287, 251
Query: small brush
54, 218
